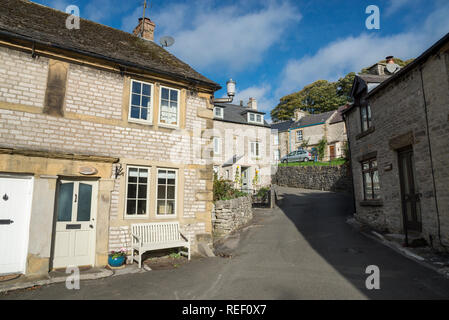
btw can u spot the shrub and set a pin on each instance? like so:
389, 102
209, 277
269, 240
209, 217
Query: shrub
322, 144
224, 190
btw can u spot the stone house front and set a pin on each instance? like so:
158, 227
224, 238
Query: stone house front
398, 136
99, 129
243, 145
306, 131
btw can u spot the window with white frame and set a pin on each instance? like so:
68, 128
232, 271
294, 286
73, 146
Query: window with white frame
166, 192
169, 106
218, 112
217, 145
276, 140
255, 149
141, 101
299, 136
255, 118
137, 192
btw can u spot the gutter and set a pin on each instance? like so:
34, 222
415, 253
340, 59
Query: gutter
117, 61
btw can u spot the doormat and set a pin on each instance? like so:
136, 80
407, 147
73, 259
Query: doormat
9, 277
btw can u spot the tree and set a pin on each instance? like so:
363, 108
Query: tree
320, 96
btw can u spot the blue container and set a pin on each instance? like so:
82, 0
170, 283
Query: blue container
116, 262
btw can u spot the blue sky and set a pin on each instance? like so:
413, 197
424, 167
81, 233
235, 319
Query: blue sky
276, 47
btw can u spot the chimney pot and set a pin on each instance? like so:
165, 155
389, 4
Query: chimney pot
147, 32
390, 59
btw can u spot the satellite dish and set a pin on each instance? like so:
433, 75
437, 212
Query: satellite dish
392, 68
166, 41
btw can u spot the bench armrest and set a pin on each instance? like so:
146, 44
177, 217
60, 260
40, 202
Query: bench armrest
184, 237
139, 239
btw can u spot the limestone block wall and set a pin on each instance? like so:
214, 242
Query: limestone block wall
332, 178
230, 215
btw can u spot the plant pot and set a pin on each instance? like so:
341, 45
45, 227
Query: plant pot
116, 262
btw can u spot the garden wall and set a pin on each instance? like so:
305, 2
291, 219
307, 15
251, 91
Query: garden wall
325, 178
230, 215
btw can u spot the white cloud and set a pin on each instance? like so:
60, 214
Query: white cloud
396, 5
228, 37
355, 53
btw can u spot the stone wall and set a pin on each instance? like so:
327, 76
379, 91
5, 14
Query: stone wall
230, 215
332, 178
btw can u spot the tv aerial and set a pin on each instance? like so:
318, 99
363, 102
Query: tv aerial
166, 41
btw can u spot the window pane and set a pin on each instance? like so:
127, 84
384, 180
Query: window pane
161, 208
135, 113
142, 191
65, 201
146, 101
368, 186
132, 191
259, 118
137, 87
164, 93
135, 101
144, 113
173, 95
171, 192
376, 185
132, 175
146, 90
161, 192
141, 207
170, 207
131, 207
84, 202
251, 117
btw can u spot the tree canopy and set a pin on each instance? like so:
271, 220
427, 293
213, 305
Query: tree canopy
320, 96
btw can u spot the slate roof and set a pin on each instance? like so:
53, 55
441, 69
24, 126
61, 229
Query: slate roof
312, 119
282, 126
237, 114
26, 20
339, 115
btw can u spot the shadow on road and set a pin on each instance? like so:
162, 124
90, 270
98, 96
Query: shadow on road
320, 217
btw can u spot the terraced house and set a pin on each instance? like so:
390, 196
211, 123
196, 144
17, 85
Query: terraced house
97, 128
243, 145
398, 132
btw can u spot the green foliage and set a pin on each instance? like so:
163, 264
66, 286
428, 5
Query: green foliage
321, 148
175, 255
224, 190
336, 162
305, 143
262, 193
398, 61
318, 97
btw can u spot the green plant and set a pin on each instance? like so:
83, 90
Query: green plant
263, 192
305, 144
256, 178
224, 190
238, 178
175, 255
117, 254
322, 144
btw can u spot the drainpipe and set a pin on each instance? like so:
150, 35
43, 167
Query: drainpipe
431, 159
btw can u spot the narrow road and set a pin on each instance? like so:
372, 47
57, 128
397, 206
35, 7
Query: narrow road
304, 250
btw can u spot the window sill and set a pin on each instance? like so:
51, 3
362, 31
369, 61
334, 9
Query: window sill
371, 203
136, 121
168, 126
365, 133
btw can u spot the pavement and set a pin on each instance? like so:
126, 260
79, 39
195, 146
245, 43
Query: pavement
301, 250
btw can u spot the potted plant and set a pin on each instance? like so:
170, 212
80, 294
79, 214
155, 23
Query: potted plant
117, 258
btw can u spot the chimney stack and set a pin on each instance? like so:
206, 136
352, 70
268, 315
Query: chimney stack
147, 32
252, 104
390, 59
299, 114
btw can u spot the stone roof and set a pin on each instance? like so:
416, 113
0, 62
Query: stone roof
338, 117
26, 20
313, 119
282, 126
237, 114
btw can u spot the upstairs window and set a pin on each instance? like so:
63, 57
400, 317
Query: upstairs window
299, 136
169, 113
218, 112
255, 118
371, 185
141, 102
365, 116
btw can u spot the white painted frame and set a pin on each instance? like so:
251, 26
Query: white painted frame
160, 108
137, 216
166, 216
221, 112
217, 143
149, 121
255, 118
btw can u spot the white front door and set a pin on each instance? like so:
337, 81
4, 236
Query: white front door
245, 179
76, 204
16, 195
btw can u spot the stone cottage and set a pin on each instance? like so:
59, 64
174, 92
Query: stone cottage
306, 130
243, 145
99, 129
398, 136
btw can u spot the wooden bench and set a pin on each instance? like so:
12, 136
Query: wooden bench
156, 236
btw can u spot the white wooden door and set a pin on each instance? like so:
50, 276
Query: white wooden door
75, 225
16, 195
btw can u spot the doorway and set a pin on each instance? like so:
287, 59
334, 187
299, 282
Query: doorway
16, 195
76, 210
245, 179
410, 198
